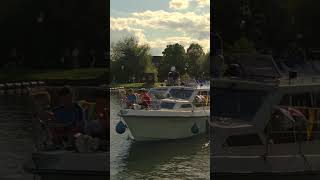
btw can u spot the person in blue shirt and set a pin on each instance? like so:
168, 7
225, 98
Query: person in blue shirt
131, 98
68, 113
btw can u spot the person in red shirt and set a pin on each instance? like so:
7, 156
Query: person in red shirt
145, 99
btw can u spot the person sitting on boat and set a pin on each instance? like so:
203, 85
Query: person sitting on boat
131, 99
99, 126
145, 99
69, 114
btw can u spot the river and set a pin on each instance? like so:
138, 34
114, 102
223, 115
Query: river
178, 159
15, 137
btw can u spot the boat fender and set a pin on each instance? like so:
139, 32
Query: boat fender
195, 129
121, 127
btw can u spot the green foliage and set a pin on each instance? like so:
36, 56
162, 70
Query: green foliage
53, 74
195, 60
135, 60
244, 45
205, 64
173, 55
272, 24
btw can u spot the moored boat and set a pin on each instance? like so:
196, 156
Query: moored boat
267, 128
180, 113
86, 157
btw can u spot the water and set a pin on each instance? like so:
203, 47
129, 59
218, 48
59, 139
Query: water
15, 137
180, 159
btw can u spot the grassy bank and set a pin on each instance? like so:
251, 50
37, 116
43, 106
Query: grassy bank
132, 85
53, 74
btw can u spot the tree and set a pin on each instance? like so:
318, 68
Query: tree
244, 45
129, 59
173, 55
194, 55
205, 64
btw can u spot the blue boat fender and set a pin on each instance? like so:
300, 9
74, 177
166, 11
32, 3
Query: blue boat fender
195, 129
121, 127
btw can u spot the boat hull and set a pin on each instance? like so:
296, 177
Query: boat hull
66, 164
280, 165
155, 127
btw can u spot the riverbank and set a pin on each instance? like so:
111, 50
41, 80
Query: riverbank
133, 85
89, 76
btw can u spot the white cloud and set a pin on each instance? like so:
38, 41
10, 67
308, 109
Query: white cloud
183, 40
203, 3
179, 4
191, 27
189, 23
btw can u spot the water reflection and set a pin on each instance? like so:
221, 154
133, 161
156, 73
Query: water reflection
264, 177
15, 137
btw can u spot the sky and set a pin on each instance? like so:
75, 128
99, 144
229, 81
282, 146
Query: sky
161, 22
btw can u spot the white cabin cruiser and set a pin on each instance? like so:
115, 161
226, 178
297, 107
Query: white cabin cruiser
265, 128
181, 113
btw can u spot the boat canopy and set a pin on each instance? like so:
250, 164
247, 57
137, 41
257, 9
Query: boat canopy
255, 66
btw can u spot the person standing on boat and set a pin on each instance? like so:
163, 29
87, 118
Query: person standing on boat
173, 76
99, 126
131, 99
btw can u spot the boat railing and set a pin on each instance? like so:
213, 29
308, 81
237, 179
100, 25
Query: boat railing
300, 80
157, 104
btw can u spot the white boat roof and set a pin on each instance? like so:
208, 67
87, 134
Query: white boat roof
204, 87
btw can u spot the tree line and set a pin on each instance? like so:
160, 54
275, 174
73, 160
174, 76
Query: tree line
40, 33
130, 60
254, 25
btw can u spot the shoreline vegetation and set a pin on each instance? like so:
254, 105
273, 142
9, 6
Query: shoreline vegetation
20, 74
131, 60
133, 85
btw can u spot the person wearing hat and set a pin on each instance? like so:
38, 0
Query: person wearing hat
145, 99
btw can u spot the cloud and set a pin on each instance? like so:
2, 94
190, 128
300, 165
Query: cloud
189, 27
179, 4
203, 3
161, 44
188, 23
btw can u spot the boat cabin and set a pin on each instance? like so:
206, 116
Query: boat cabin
179, 97
258, 114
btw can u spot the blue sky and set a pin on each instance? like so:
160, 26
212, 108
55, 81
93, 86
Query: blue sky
161, 22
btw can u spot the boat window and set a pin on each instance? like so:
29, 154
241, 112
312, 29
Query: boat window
167, 105
186, 106
301, 99
158, 93
180, 93
244, 140
242, 104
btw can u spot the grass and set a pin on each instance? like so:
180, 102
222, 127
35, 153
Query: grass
53, 74
132, 85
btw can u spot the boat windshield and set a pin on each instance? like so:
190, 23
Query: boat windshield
180, 93
158, 93
240, 104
